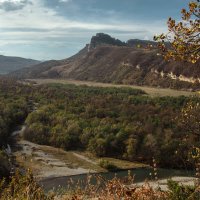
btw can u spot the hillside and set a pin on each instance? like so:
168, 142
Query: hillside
107, 59
9, 64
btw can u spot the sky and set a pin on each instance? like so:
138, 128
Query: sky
57, 29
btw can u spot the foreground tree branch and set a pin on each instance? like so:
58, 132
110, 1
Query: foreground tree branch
183, 37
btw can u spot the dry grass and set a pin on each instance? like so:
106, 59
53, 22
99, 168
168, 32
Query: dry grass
120, 164
23, 187
124, 165
115, 189
154, 92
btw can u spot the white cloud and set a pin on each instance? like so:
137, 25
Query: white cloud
64, 1
34, 23
35, 15
12, 5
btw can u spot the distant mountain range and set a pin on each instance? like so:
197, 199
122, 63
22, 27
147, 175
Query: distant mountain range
106, 59
9, 64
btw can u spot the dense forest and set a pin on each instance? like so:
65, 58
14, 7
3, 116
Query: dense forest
122, 123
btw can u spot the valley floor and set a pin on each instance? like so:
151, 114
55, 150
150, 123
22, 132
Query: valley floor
51, 166
152, 91
50, 162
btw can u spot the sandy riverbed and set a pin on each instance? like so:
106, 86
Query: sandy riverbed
46, 165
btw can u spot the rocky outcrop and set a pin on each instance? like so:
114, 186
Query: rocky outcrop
107, 59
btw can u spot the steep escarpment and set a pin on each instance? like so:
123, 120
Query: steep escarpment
107, 59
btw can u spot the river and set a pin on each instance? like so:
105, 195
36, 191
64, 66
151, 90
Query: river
140, 175
53, 171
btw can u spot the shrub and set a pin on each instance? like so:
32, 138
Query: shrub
22, 187
25, 187
180, 192
4, 165
107, 165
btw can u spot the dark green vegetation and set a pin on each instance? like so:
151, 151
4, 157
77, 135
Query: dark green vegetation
121, 123
4, 165
178, 192
14, 108
107, 165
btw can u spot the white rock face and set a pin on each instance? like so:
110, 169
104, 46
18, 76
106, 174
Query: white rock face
180, 77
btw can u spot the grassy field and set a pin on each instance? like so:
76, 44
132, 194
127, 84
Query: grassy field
154, 92
120, 164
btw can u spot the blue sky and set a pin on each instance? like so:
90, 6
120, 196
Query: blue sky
56, 29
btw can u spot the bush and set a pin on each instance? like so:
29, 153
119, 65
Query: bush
107, 165
25, 187
22, 187
180, 192
4, 165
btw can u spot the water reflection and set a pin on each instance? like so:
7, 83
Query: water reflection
139, 176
